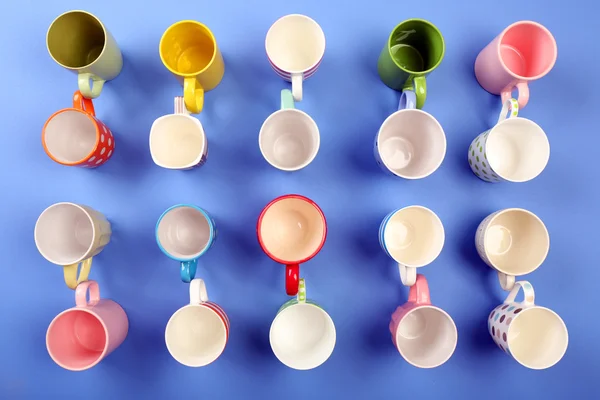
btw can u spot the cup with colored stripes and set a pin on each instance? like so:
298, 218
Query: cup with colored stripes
196, 335
302, 334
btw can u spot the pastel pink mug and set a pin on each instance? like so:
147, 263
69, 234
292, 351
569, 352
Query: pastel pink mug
80, 337
523, 52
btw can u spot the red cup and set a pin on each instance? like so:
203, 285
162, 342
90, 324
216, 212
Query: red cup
291, 229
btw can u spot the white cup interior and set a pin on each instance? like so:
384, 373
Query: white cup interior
538, 338
516, 242
195, 336
411, 143
177, 141
302, 336
184, 232
517, 149
289, 139
64, 233
295, 43
414, 236
70, 136
426, 337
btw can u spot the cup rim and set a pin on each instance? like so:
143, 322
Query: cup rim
204, 142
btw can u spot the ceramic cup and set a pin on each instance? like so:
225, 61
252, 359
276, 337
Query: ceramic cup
177, 141
523, 52
295, 46
289, 138
70, 234
515, 149
413, 237
80, 337
425, 335
291, 229
514, 242
185, 232
534, 336
196, 335
302, 334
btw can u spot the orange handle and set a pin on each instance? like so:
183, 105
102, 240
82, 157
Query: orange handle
82, 103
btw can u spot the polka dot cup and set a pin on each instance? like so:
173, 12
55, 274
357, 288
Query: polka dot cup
536, 337
75, 137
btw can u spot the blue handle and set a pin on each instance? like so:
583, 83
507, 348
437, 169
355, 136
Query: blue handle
408, 99
188, 270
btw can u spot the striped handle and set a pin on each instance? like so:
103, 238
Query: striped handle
179, 105
301, 291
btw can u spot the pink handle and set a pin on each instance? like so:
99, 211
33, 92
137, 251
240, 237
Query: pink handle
82, 291
523, 89
419, 292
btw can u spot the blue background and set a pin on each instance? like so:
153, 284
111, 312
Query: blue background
351, 277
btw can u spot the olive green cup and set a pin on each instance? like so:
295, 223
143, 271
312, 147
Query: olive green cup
414, 49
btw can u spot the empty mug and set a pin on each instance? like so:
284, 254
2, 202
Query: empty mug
80, 42
178, 141
184, 232
523, 52
295, 46
196, 335
413, 237
514, 242
80, 337
536, 337
70, 234
291, 229
289, 138
302, 335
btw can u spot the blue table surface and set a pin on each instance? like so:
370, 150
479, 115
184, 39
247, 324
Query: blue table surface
351, 277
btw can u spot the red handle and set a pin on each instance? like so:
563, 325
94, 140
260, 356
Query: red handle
419, 292
82, 103
292, 275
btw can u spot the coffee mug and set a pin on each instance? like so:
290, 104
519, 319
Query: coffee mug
291, 229
413, 237
514, 242
521, 53
185, 232
70, 234
414, 49
79, 41
295, 46
189, 51
289, 138
80, 337
425, 335
302, 335
177, 141
515, 149
534, 336
75, 137
196, 335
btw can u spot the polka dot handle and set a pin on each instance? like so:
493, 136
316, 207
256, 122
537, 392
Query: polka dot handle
198, 293
529, 294
301, 291
510, 109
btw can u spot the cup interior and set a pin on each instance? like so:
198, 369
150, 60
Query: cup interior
195, 336
411, 143
292, 229
537, 338
414, 236
302, 336
528, 50
177, 141
516, 242
64, 233
426, 337
70, 136
184, 232
416, 46
76, 339
295, 43
187, 48
517, 149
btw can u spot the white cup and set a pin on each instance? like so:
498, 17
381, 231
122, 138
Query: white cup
178, 141
514, 242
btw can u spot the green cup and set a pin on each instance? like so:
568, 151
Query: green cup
414, 49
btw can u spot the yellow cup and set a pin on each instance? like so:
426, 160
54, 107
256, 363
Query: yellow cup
189, 50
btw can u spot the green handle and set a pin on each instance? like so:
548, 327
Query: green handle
287, 99
419, 85
90, 91
301, 291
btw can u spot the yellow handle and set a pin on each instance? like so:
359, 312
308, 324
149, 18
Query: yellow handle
193, 94
70, 271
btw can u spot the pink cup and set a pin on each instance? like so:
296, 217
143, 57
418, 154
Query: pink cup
523, 52
80, 337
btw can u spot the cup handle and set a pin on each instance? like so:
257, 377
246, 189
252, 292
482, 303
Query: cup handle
523, 97
198, 293
408, 275
528, 292
188, 270
510, 109
420, 87
419, 292
301, 291
90, 91
287, 100
179, 106
297, 86
292, 272
70, 272
83, 104
193, 94
507, 282
408, 100
81, 294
